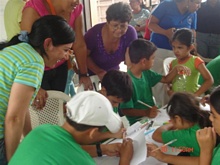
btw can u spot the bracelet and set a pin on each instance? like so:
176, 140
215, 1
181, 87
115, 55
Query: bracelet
83, 75
98, 150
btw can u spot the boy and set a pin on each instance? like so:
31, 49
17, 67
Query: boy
52, 144
141, 53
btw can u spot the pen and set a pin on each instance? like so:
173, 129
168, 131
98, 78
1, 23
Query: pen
141, 102
170, 142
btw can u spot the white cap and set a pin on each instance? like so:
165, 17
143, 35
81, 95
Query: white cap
94, 109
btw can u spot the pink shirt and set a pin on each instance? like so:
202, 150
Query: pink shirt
38, 5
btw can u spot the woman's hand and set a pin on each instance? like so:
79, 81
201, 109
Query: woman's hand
169, 33
40, 99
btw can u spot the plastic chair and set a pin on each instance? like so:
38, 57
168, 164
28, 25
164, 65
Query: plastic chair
166, 64
53, 112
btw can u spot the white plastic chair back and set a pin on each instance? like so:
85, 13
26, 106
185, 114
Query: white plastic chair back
206, 60
166, 64
53, 112
96, 84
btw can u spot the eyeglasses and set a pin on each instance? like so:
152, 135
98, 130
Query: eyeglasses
122, 27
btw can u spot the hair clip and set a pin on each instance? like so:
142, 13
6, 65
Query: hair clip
23, 36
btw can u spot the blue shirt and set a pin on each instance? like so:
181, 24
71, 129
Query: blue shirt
170, 17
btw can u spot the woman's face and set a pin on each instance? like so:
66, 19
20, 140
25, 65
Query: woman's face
215, 119
194, 5
117, 28
135, 4
69, 5
58, 53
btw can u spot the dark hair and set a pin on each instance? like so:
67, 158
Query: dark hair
118, 84
141, 48
50, 26
215, 99
184, 36
82, 127
119, 12
187, 107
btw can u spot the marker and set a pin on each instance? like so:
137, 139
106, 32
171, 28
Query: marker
170, 142
150, 124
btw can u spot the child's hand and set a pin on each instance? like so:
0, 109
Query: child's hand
183, 69
156, 154
204, 100
126, 151
152, 113
206, 138
111, 149
118, 134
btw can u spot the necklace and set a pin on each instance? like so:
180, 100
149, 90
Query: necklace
52, 9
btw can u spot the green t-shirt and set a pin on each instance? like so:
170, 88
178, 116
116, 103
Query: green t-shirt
50, 145
142, 90
213, 67
216, 156
186, 140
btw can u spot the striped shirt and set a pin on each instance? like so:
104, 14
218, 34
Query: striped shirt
18, 64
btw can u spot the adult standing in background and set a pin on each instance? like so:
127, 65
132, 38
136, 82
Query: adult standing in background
164, 20
71, 10
139, 17
208, 29
12, 17
107, 42
21, 69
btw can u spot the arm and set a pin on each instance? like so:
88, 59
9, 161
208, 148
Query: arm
18, 104
107, 149
171, 159
157, 135
94, 68
152, 112
27, 124
171, 75
206, 138
80, 50
29, 15
208, 80
153, 25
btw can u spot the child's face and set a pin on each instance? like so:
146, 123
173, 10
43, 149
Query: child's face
215, 119
114, 100
149, 63
181, 51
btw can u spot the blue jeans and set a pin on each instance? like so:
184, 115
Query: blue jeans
208, 44
3, 160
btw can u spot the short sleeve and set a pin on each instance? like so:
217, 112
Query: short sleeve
160, 10
198, 61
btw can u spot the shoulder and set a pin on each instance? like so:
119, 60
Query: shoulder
37, 5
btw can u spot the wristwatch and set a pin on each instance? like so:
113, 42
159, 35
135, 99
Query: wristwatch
98, 150
83, 75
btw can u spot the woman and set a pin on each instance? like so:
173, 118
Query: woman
168, 16
55, 78
21, 69
140, 15
107, 42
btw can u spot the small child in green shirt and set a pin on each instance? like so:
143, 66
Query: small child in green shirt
141, 54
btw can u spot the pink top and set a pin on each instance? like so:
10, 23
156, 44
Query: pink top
38, 5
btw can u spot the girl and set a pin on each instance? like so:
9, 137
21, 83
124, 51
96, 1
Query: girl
207, 137
182, 44
186, 118
21, 70
140, 15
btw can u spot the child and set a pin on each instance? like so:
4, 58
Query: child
60, 145
186, 118
141, 53
182, 44
207, 137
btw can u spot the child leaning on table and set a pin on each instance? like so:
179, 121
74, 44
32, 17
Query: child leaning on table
182, 45
207, 137
185, 119
141, 53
